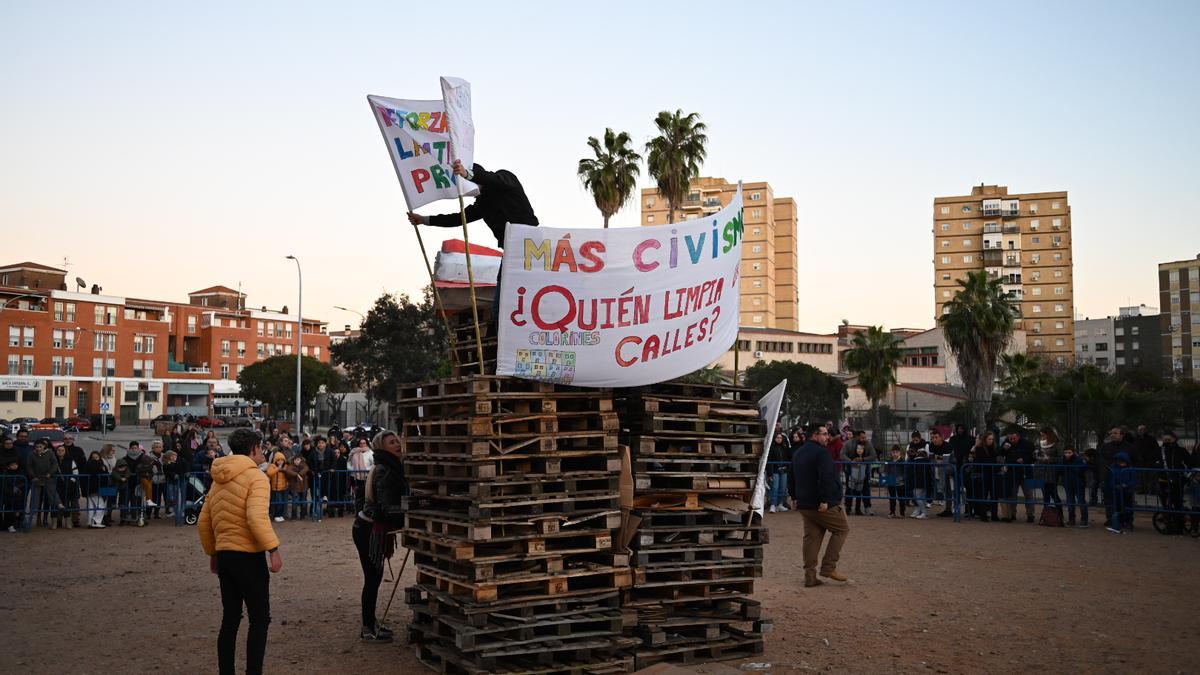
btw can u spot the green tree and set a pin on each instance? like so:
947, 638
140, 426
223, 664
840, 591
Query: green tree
399, 341
709, 375
673, 158
978, 324
273, 381
612, 175
874, 356
811, 394
1020, 372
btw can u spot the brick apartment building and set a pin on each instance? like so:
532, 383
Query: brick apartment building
65, 352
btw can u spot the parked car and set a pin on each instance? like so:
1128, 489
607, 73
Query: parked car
24, 423
79, 422
95, 420
6, 427
47, 432
239, 421
208, 421
60, 422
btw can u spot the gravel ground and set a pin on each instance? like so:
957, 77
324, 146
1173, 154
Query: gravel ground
925, 596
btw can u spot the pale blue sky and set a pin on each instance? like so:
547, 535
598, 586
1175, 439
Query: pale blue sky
165, 147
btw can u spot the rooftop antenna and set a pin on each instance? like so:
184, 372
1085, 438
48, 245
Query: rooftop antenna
239, 298
66, 262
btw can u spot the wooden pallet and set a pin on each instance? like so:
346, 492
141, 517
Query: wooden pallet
510, 427
472, 447
682, 463
743, 446
515, 403
684, 630
458, 550
532, 528
530, 586
727, 646
600, 656
566, 504
692, 553
655, 482
449, 467
731, 608
715, 392
516, 486
504, 631
478, 571
669, 574
485, 385
728, 535
522, 609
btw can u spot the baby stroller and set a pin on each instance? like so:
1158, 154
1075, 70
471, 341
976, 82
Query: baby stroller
191, 512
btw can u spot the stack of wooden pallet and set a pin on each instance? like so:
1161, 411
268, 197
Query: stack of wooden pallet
696, 550
512, 522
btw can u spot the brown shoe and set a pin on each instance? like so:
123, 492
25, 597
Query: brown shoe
809, 582
835, 575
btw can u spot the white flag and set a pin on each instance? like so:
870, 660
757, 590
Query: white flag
418, 141
456, 95
768, 407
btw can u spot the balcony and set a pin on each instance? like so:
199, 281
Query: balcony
991, 228
1012, 228
1012, 261
712, 203
992, 256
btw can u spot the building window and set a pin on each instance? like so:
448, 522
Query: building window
1036, 290
224, 371
58, 339
945, 310
29, 331
241, 349
1035, 224
945, 276
1058, 290
59, 391
1036, 240
758, 283
137, 367
56, 365
14, 364
1037, 309
945, 243
1060, 325
649, 202
966, 242
945, 227
757, 318
287, 349
1037, 342
1033, 207
111, 366
1058, 342
1058, 257
58, 311
966, 208
1035, 258
148, 343
191, 324
1056, 205
968, 259
70, 311
317, 351
753, 249
97, 367
1102, 347
966, 227
137, 344
69, 365
259, 326
945, 294
270, 329
31, 395
26, 365
945, 210
650, 218
224, 347
1058, 308
755, 196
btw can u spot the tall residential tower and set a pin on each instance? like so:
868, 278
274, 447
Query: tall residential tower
770, 290
1022, 239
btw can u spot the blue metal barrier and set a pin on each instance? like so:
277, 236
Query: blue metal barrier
339, 492
901, 483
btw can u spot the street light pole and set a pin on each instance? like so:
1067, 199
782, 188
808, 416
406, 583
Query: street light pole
299, 339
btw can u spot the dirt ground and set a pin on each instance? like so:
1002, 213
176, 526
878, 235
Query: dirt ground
925, 596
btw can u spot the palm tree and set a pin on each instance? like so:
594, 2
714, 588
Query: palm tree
978, 324
873, 356
1020, 373
612, 175
674, 156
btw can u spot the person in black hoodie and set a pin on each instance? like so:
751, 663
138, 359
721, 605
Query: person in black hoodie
1016, 449
819, 500
382, 514
12, 486
501, 201
1173, 463
780, 458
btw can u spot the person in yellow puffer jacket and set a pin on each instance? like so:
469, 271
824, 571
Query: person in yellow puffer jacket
235, 531
277, 475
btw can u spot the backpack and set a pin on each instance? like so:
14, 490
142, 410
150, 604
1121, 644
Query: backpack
1051, 516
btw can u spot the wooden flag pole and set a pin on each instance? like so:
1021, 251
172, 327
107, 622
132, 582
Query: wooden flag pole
437, 297
462, 210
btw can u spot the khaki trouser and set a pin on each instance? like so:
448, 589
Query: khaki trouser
816, 524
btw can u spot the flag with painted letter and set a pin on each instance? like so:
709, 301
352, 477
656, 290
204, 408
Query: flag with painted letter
418, 140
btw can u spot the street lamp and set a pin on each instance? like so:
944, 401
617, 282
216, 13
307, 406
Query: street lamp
352, 311
299, 338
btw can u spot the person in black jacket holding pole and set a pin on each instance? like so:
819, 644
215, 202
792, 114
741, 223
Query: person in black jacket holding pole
819, 500
382, 513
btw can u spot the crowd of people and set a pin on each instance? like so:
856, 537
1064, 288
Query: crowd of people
67, 487
1002, 474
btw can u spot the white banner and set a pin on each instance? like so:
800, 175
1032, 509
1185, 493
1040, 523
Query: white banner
768, 407
619, 307
418, 140
456, 95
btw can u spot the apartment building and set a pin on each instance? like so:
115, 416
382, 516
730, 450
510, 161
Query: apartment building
1095, 343
1179, 295
1023, 239
1137, 335
67, 352
756, 345
770, 289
